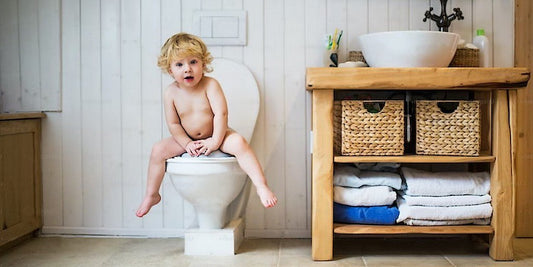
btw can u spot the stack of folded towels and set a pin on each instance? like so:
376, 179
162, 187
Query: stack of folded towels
365, 194
445, 198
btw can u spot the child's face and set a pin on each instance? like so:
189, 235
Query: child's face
187, 71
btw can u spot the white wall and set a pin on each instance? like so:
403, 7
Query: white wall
102, 58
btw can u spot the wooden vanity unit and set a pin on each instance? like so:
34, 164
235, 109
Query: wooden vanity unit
20, 175
496, 86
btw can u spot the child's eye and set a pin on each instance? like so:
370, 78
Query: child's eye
194, 61
179, 64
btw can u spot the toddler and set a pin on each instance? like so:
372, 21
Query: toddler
197, 117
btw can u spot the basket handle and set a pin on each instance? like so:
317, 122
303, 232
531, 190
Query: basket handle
448, 107
374, 106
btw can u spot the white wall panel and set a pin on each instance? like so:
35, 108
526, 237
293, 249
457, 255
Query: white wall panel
151, 95
111, 122
253, 58
10, 87
132, 176
274, 16
72, 131
101, 67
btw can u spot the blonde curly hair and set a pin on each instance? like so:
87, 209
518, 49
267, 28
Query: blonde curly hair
183, 45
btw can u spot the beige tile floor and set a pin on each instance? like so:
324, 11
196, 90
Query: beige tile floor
376, 251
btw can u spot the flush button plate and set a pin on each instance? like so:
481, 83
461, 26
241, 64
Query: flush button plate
221, 27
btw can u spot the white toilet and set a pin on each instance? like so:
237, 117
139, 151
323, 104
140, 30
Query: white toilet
213, 183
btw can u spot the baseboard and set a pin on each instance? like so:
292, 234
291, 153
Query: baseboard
282, 233
110, 232
163, 232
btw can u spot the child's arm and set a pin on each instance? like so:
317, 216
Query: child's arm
174, 126
219, 107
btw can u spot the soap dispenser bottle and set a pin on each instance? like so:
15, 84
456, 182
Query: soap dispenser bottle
482, 42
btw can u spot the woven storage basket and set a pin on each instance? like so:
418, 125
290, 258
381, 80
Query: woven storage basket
360, 132
356, 56
465, 57
455, 133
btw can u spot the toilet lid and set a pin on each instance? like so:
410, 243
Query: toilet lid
242, 94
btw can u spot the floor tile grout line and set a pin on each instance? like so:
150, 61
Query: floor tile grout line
364, 261
453, 264
279, 252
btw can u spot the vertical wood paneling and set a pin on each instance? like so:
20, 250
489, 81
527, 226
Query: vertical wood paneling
132, 176
480, 20
524, 151
295, 164
91, 109
29, 54
72, 131
462, 27
417, 8
150, 95
111, 88
253, 58
50, 54
398, 15
51, 148
171, 202
315, 27
275, 109
503, 25
356, 24
336, 19
378, 14
9, 57
111, 121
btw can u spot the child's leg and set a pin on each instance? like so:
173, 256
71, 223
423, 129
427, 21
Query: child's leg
161, 151
236, 145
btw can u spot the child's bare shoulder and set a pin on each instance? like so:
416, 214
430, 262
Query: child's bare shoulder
170, 89
211, 83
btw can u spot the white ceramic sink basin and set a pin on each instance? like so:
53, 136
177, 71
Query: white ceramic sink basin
409, 48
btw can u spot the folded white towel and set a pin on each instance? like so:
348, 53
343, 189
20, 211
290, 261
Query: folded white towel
423, 183
364, 196
485, 221
443, 213
350, 176
446, 201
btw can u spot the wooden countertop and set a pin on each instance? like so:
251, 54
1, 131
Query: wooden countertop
416, 78
21, 116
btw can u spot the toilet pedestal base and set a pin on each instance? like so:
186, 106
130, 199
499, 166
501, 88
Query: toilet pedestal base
223, 241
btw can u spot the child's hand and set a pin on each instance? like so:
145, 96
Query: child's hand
193, 148
207, 146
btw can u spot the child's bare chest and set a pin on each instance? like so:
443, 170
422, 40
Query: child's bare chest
192, 104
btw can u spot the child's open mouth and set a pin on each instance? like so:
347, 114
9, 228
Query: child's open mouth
189, 78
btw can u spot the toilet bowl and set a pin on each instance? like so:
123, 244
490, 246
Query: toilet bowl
214, 183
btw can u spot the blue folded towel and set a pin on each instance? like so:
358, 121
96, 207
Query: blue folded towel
365, 215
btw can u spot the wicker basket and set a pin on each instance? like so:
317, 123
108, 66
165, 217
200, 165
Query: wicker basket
356, 56
455, 133
465, 57
360, 132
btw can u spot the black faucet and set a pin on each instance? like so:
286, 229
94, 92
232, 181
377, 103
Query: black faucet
443, 21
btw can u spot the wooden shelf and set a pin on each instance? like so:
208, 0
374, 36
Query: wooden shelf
361, 229
415, 159
486, 79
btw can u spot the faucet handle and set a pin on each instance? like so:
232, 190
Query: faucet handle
458, 13
427, 14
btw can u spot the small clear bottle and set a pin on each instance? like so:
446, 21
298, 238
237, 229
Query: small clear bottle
485, 54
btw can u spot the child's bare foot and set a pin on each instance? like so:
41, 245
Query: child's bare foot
147, 204
268, 198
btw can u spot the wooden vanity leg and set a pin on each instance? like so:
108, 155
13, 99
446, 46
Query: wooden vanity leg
501, 187
322, 173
